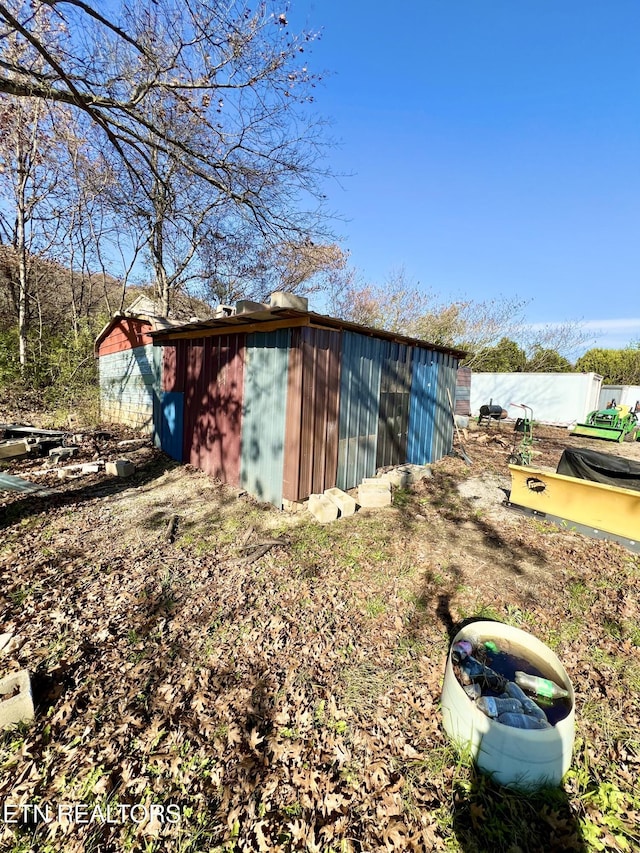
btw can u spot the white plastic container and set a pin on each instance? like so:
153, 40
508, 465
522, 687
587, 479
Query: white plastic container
514, 757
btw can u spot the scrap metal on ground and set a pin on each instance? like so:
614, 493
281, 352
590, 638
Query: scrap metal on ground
17, 440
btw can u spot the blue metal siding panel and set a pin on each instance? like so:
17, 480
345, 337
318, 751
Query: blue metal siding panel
263, 416
359, 408
172, 423
424, 387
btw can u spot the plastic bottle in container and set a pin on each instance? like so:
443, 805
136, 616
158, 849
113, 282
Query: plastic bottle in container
523, 721
474, 671
541, 686
461, 649
493, 706
528, 705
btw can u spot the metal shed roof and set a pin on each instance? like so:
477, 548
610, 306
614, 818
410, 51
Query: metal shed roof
271, 319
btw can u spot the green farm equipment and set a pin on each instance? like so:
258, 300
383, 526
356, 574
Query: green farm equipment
523, 428
610, 424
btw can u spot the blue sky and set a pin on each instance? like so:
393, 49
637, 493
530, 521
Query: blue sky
492, 149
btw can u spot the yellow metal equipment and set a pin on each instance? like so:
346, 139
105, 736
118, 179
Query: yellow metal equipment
593, 508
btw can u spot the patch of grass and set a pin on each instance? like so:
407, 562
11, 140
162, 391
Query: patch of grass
375, 606
402, 498
363, 685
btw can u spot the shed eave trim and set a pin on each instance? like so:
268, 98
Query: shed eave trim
244, 328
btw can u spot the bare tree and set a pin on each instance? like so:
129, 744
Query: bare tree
474, 326
28, 175
210, 89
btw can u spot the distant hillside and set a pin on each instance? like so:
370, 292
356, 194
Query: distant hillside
58, 296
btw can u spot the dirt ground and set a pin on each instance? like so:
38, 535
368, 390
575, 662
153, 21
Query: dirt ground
279, 679
491, 447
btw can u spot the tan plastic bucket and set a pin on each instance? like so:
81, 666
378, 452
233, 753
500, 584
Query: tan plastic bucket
514, 757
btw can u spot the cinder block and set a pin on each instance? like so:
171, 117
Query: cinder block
16, 702
280, 299
378, 482
323, 509
63, 452
245, 306
120, 468
370, 495
90, 468
345, 503
293, 506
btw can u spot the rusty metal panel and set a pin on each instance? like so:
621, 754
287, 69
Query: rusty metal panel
174, 366
263, 414
359, 408
311, 446
395, 389
463, 391
213, 383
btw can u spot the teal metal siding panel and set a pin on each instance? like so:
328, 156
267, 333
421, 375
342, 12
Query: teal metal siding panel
422, 406
128, 382
359, 408
263, 415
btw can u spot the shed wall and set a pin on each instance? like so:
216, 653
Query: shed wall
127, 333
266, 362
443, 416
422, 407
170, 429
393, 416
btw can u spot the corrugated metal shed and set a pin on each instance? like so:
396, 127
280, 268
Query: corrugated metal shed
359, 408
393, 416
287, 403
443, 417
422, 406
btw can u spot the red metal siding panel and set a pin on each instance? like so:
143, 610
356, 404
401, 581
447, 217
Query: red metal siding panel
213, 382
174, 366
311, 442
127, 333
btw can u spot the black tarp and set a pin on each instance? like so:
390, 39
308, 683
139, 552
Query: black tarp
600, 468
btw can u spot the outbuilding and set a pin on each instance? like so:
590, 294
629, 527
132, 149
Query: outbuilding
284, 402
